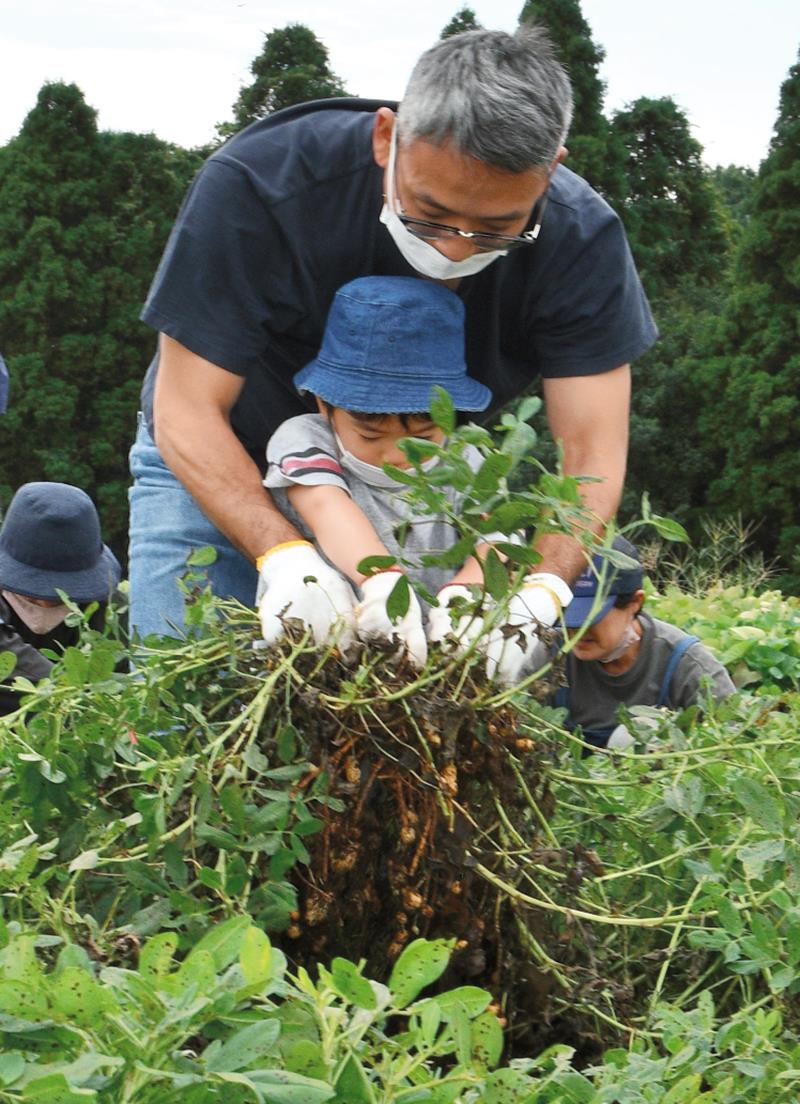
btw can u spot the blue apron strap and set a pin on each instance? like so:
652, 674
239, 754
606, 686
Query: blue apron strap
677, 655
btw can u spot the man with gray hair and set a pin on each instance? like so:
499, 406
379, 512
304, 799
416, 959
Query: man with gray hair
462, 184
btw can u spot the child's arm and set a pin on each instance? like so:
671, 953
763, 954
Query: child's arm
472, 571
340, 526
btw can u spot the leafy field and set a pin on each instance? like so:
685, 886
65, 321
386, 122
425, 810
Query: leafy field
169, 843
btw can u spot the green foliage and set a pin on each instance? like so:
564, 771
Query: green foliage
755, 374
671, 208
83, 219
756, 636
464, 20
291, 68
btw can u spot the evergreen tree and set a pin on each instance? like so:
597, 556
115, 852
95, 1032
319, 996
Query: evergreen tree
83, 220
755, 376
734, 184
672, 211
292, 67
464, 20
592, 150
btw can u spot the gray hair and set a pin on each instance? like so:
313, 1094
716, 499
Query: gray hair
502, 98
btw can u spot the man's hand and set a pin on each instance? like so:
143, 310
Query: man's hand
373, 622
294, 581
514, 649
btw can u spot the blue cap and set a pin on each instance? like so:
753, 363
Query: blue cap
614, 581
388, 341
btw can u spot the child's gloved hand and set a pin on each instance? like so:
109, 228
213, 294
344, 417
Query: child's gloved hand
455, 622
374, 623
295, 582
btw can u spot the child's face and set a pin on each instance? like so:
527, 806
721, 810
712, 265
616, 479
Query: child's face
375, 442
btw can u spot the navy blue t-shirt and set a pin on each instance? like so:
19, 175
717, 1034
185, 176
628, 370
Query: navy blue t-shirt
288, 210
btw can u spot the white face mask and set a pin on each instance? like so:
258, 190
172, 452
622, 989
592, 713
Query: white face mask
629, 637
39, 619
371, 473
421, 255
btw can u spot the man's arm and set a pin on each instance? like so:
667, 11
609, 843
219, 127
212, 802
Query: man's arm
191, 409
589, 415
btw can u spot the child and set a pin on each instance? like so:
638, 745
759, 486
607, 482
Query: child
49, 541
626, 657
388, 341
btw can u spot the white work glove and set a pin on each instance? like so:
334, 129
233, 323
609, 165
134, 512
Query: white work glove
295, 581
515, 648
373, 622
445, 626
620, 738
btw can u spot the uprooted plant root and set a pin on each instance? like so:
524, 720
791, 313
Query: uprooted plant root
433, 784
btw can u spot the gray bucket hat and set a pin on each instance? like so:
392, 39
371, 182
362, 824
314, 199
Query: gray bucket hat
50, 540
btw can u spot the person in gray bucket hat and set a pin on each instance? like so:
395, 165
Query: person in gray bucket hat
388, 342
50, 542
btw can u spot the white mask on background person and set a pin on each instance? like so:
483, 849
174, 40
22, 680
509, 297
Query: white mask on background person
629, 637
420, 254
39, 619
370, 473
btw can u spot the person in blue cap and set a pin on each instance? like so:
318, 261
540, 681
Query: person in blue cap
387, 343
49, 542
626, 657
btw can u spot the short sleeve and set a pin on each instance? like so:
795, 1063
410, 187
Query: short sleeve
218, 287
590, 313
302, 453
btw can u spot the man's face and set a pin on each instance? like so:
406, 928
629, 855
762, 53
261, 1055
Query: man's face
440, 184
375, 442
606, 634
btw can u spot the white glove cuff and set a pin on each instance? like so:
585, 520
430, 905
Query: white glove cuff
554, 585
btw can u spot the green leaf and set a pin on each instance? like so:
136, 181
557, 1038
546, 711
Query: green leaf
55, 1089
470, 997
529, 406
419, 965
729, 917
759, 804
283, 1087
507, 1086
245, 1046
202, 557
155, 959
495, 575
487, 1040
8, 662
78, 997
255, 956
349, 983
443, 411
371, 564
224, 941
12, 1066
494, 468
399, 598
352, 1084
668, 528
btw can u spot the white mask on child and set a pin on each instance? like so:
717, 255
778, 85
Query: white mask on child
39, 619
629, 637
371, 473
420, 254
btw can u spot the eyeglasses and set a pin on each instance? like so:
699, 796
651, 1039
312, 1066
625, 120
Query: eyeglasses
483, 243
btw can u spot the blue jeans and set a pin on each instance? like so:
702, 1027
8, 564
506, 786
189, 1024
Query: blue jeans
166, 526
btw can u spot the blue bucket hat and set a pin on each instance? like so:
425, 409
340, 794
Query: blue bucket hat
50, 540
388, 341
613, 580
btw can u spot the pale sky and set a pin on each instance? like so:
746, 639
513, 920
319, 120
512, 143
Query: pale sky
174, 67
